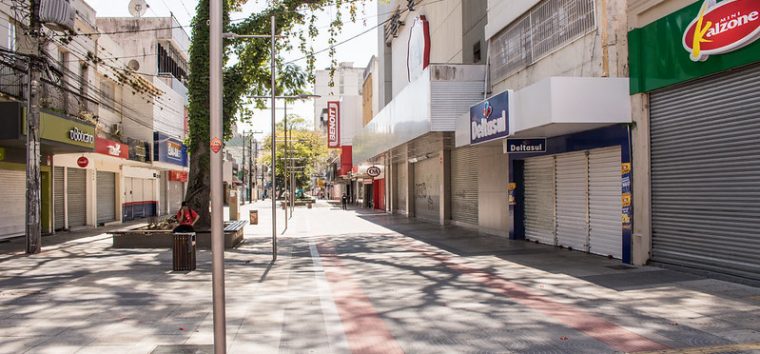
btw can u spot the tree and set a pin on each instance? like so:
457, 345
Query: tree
307, 147
249, 73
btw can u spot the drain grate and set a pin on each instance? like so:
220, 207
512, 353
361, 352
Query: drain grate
183, 349
621, 267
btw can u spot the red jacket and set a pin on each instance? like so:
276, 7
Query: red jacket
186, 218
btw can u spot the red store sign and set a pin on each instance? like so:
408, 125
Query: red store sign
722, 28
333, 124
178, 176
111, 148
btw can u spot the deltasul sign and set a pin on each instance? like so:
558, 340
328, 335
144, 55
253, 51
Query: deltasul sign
701, 39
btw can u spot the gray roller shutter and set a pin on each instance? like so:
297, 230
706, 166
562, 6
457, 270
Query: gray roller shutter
427, 189
77, 196
540, 200
401, 186
605, 203
464, 185
106, 197
705, 160
572, 200
59, 205
12, 190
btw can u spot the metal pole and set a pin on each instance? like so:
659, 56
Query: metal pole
285, 175
245, 142
292, 175
217, 222
274, 146
250, 168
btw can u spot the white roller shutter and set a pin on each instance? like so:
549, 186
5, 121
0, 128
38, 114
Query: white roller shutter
605, 202
705, 161
76, 194
427, 189
401, 186
175, 196
572, 200
106, 190
59, 205
464, 185
12, 190
540, 199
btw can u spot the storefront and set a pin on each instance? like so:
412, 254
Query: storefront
704, 106
139, 199
58, 135
170, 156
573, 193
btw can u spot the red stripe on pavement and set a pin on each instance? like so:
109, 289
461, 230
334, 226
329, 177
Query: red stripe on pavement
365, 331
615, 336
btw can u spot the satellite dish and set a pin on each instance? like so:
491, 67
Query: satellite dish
134, 65
137, 8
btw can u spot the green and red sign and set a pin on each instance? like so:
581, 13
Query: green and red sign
702, 39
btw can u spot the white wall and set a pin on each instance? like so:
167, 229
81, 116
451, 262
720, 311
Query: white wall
169, 115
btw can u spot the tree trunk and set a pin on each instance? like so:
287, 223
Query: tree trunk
198, 196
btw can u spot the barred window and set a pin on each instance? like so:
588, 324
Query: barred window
547, 27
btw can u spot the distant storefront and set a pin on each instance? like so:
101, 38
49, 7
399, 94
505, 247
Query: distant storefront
704, 105
58, 135
170, 156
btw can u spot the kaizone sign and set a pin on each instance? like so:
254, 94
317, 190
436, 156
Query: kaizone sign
721, 28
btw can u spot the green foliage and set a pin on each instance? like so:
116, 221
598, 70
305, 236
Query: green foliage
305, 147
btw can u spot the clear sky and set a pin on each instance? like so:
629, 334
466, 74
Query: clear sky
358, 50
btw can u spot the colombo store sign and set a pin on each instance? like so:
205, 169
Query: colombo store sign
699, 40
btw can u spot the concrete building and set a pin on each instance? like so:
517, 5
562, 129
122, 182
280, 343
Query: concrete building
155, 51
429, 72
695, 156
338, 116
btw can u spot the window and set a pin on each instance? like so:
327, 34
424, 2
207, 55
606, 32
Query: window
476, 53
341, 83
548, 26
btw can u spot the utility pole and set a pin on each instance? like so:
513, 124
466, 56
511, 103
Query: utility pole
245, 144
217, 207
33, 201
285, 166
250, 167
274, 143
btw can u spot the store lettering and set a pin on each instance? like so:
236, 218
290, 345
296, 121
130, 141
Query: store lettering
722, 28
733, 23
77, 135
486, 128
174, 150
114, 149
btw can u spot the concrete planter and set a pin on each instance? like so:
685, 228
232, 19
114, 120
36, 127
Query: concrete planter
163, 239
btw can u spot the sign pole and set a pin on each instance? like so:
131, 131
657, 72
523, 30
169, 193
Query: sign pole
274, 144
217, 208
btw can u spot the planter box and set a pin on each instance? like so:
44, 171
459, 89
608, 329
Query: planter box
163, 239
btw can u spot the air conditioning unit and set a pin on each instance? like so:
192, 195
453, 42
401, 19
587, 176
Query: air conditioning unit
57, 15
116, 129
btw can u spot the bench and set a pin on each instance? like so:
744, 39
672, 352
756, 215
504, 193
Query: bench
130, 238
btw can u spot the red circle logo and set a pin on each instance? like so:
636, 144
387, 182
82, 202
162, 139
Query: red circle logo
83, 162
216, 145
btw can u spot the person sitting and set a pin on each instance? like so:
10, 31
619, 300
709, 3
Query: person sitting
187, 217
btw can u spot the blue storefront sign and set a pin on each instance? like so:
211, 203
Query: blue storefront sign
169, 150
526, 145
489, 119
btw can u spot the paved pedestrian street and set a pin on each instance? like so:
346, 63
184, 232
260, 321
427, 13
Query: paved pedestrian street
363, 282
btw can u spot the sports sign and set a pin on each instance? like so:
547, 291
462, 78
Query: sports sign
333, 124
111, 148
721, 28
489, 119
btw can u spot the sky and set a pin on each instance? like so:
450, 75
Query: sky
359, 50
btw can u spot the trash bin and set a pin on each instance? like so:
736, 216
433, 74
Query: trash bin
183, 251
308, 205
253, 217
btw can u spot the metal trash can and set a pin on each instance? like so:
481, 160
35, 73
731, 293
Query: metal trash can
253, 217
183, 251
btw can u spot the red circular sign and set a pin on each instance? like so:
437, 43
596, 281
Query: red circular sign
83, 162
216, 145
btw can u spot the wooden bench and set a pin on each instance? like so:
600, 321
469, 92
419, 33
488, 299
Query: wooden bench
235, 226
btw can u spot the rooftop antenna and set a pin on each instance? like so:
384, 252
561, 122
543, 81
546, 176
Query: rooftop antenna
137, 8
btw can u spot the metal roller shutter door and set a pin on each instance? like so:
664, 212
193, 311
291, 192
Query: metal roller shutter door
175, 196
540, 199
401, 186
427, 189
605, 185
77, 196
59, 205
13, 192
106, 197
464, 185
705, 163
572, 200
